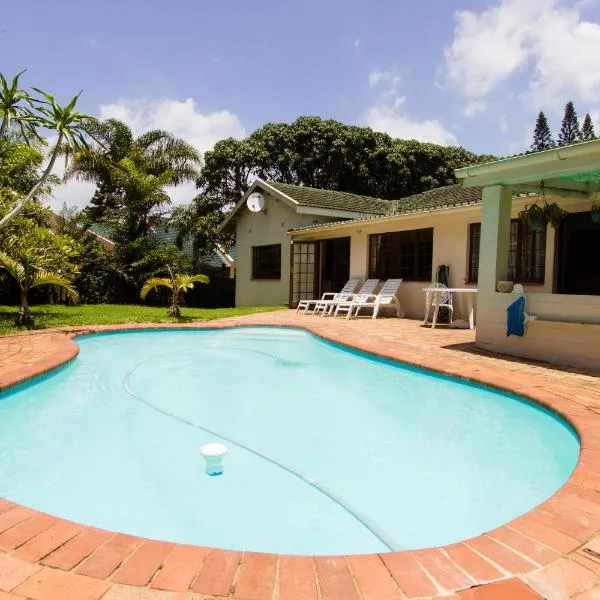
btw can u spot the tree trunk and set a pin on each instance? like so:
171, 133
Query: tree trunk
174, 310
25, 318
18, 207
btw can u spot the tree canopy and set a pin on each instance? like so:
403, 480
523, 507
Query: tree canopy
324, 153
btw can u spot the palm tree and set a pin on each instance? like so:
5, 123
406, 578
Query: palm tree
178, 283
15, 107
27, 277
130, 173
67, 122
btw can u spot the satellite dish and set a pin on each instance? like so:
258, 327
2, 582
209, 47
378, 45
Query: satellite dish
256, 202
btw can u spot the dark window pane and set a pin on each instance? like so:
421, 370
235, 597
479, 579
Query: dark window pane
266, 262
405, 254
474, 240
526, 252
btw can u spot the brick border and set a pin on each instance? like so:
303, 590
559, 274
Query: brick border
553, 547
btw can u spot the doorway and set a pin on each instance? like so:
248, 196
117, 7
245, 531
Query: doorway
335, 264
578, 249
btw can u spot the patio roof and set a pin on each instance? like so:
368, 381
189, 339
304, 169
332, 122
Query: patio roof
569, 171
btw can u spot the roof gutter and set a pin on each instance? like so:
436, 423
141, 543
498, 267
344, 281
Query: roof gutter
536, 159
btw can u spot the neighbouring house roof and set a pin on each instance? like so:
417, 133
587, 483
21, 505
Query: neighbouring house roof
217, 258
447, 197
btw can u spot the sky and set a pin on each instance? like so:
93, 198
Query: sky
473, 73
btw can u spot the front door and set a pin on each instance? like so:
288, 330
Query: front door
578, 247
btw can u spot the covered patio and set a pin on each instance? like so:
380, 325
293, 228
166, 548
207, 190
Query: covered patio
567, 304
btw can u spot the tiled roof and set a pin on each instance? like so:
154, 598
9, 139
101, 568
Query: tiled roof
307, 196
450, 196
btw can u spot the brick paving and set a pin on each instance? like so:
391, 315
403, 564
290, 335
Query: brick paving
551, 552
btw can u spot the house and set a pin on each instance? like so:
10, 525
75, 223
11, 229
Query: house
313, 253
567, 305
263, 245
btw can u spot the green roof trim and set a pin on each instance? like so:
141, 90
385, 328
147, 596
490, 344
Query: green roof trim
332, 200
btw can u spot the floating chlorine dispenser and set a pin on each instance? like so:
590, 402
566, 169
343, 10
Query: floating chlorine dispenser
213, 454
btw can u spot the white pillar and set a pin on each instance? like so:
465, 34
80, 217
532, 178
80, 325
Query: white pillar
495, 237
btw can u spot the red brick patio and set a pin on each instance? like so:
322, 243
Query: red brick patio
554, 549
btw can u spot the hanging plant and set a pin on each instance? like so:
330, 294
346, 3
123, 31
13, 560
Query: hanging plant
540, 215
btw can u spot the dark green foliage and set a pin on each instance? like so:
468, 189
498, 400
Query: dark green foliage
587, 129
542, 138
569, 131
330, 155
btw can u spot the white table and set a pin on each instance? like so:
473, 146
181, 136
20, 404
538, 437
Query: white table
431, 293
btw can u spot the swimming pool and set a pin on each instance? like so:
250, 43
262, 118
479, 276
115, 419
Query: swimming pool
330, 451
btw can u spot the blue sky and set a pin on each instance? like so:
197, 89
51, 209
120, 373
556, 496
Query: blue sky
467, 72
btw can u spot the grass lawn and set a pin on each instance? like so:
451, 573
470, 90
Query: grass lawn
55, 315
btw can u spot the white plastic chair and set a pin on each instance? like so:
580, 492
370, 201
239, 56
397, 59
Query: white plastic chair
331, 307
386, 296
441, 299
350, 287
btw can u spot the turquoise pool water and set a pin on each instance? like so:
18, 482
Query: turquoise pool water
365, 454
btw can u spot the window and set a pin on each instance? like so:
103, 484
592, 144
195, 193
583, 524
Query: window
405, 254
526, 253
266, 262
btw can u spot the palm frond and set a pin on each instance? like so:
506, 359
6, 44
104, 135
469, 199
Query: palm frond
14, 269
155, 282
186, 282
46, 278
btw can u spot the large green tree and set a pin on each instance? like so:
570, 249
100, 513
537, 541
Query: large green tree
324, 153
569, 131
132, 174
542, 138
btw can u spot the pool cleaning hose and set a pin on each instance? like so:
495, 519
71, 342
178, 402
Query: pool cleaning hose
387, 541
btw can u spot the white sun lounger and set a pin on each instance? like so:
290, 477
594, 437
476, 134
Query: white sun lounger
328, 306
342, 304
307, 305
387, 295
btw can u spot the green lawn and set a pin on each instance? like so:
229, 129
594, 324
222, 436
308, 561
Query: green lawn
55, 315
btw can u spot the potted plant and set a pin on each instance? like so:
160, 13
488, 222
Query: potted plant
539, 216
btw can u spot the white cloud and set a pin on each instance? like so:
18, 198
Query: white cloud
179, 117
386, 79
391, 120
475, 108
550, 37
503, 125
357, 44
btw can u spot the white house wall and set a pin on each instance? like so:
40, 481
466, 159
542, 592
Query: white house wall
261, 229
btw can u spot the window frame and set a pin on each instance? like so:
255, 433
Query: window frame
255, 258
416, 257
519, 252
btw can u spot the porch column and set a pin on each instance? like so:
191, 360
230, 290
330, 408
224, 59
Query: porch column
495, 237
